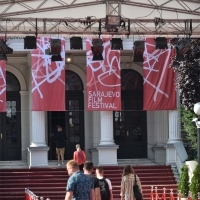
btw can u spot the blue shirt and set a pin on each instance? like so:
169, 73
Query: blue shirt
81, 186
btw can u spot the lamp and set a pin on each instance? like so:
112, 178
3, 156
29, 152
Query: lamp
30, 42
97, 49
161, 43
55, 50
138, 49
69, 58
183, 46
113, 20
116, 43
76, 43
197, 122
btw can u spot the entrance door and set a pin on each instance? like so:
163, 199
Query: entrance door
130, 131
10, 122
72, 120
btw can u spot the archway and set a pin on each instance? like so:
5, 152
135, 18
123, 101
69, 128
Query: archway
130, 131
10, 122
71, 120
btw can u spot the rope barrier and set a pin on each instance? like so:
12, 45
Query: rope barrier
155, 196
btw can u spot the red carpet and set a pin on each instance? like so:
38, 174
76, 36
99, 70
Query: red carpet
51, 182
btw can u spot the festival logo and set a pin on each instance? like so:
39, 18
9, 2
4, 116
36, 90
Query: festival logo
103, 79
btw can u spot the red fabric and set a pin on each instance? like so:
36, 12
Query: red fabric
103, 79
48, 78
27, 197
79, 157
159, 78
2, 86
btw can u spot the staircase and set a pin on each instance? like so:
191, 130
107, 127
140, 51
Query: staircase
51, 182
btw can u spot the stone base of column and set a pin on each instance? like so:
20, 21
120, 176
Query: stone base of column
37, 156
174, 150
107, 155
95, 155
159, 154
170, 154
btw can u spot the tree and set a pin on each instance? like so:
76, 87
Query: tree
183, 186
195, 183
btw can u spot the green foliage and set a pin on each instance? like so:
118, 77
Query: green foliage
195, 183
190, 132
183, 185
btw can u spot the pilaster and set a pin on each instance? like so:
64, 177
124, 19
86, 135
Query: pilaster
25, 123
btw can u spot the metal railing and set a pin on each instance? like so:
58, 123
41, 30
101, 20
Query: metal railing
29, 195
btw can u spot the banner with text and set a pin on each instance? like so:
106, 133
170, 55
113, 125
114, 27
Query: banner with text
159, 78
48, 78
2, 86
103, 79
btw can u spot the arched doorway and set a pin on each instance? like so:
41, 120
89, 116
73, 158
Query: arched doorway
130, 131
10, 122
71, 120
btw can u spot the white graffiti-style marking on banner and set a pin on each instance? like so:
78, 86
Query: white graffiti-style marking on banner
3, 85
105, 67
44, 61
151, 59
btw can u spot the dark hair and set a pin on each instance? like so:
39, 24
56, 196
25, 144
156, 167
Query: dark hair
88, 165
128, 170
100, 169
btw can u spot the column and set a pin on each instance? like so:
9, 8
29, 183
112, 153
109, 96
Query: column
38, 129
96, 137
174, 127
38, 150
174, 145
107, 148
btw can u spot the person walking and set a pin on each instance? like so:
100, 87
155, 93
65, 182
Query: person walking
88, 169
79, 156
127, 183
60, 139
105, 185
79, 185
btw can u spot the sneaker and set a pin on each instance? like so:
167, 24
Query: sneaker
58, 164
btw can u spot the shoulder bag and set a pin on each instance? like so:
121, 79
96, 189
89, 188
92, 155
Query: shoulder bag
136, 191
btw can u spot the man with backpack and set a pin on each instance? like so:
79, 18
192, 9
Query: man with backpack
104, 184
88, 169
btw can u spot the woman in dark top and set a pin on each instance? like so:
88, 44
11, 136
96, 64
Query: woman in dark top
60, 139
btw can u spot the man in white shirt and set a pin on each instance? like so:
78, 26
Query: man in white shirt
105, 185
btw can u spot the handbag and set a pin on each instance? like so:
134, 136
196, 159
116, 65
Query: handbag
136, 191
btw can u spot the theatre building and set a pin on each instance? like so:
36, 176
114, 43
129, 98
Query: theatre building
118, 102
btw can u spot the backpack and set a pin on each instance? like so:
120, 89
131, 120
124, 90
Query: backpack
104, 189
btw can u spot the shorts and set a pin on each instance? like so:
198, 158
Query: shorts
60, 151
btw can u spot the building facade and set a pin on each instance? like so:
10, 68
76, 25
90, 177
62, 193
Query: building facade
107, 137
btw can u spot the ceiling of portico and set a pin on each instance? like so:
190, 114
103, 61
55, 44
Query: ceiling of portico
66, 17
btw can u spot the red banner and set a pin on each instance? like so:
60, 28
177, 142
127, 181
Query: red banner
48, 78
159, 78
103, 79
2, 86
